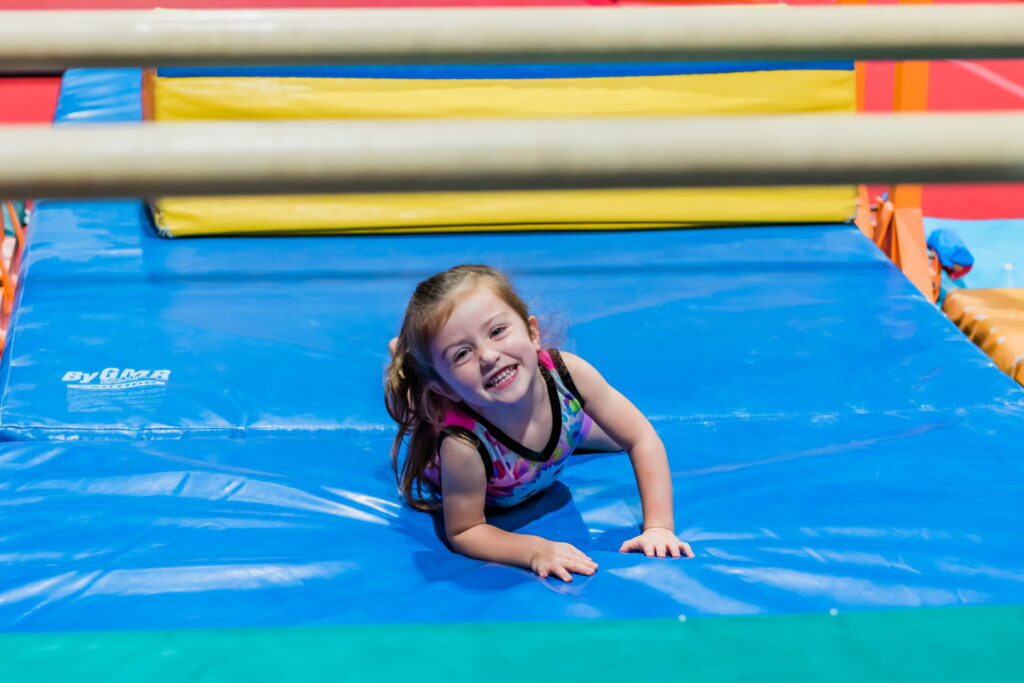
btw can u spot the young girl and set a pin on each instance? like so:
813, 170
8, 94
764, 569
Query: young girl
492, 419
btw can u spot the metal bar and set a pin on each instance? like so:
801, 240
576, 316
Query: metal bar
432, 155
52, 40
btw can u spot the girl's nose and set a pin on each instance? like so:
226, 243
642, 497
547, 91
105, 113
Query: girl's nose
489, 355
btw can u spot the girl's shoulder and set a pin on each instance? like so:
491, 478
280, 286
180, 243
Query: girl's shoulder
570, 359
556, 359
460, 454
574, 372
586, 379
456, 446
570, 362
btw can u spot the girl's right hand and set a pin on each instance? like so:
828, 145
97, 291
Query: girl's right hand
559, 559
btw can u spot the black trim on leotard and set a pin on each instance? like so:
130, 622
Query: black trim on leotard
513, 445
563, 372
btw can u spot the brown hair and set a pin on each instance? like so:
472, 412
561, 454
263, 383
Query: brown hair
419, 411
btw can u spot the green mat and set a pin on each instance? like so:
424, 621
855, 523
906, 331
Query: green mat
964, 643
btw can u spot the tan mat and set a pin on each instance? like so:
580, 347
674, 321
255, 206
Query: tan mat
994, 320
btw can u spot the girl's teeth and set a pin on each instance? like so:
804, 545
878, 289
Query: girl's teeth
505, 374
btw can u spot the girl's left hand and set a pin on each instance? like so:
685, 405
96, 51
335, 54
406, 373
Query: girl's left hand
657, 542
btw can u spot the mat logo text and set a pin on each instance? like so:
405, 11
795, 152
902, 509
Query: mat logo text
117, 376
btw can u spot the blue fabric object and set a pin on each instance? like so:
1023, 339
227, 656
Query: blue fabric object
460, 71
19, 212
99, 95
997, 247
950, 249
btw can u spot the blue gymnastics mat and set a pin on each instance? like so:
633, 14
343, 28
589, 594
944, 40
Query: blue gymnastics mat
240, 335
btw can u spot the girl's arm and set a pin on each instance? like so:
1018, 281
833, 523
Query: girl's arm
464, 489
628, 427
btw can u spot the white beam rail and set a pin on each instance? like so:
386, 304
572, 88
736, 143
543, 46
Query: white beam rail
451, 155
42, 41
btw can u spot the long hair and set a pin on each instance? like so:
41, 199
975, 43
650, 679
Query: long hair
419, 411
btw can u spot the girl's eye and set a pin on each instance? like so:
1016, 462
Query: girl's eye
459, 355
497, 331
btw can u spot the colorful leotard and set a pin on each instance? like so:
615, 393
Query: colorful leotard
514, 472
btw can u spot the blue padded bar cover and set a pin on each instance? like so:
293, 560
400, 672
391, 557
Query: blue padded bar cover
460, 71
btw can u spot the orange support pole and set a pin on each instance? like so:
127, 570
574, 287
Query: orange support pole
900, 226
6, 282
19, 239
863, 219
911, 95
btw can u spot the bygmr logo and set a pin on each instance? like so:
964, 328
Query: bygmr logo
115, 378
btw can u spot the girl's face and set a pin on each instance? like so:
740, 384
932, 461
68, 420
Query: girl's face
485, 354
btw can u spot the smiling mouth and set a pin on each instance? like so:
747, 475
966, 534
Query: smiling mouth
502, 378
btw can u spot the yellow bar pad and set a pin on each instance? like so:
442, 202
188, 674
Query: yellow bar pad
994, 320
507, 211
753, 92
763, 92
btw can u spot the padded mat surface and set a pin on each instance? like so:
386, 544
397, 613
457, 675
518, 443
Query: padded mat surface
994, 320
793, 515
290, 333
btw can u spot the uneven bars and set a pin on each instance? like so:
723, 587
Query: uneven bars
59, 40
435, 155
